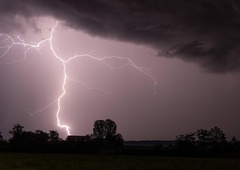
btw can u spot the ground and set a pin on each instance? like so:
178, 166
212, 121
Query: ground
110, 162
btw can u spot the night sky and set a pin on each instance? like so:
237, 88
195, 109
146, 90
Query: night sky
191, 48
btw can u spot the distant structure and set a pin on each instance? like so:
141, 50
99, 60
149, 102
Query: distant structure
74, 138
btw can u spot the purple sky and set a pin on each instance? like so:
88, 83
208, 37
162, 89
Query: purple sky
190, 48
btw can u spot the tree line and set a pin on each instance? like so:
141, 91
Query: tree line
203, 142
104, 136
105, 139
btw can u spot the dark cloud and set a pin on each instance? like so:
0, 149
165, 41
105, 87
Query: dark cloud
201, 31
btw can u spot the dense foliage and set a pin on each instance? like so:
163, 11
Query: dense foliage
204, 142
43, 142
105, 139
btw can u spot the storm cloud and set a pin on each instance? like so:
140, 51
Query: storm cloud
205, 32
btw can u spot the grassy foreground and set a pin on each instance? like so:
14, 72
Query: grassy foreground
19, 161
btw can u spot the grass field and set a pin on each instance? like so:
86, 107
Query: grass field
17, 161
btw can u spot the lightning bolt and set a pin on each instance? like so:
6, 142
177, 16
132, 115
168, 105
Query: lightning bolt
12, 41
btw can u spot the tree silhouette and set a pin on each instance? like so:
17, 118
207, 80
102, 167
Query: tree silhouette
41, 140
203, 141
106, 130
99, 129
217, 139
21, 140
41, 137
105, 139
111, 128
186, 143
53, 136
234, 145
17, 135
17, 130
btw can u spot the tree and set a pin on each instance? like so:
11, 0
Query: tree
217, 136
202, 136
111, 128
21, 140
99, 129
16, 133
213, 139
234, 145
217, 139
17, 130
119, 141
41, 137
53, 136
188, 139
106, 130
203, 141
186, 143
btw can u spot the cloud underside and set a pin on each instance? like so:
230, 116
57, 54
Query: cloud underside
206, 32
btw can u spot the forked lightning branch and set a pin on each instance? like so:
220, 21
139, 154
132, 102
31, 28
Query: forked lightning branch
8, 42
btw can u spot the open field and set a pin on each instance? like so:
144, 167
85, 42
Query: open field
109, 162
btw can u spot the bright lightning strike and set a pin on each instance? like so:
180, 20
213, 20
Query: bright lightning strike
12, 41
